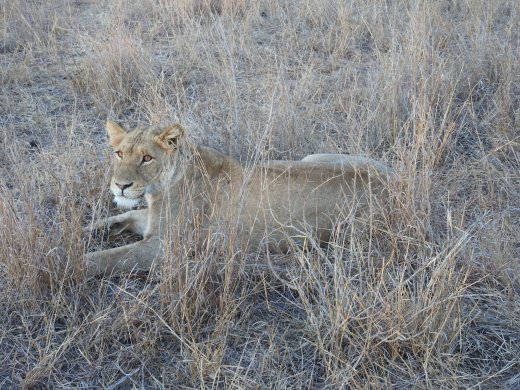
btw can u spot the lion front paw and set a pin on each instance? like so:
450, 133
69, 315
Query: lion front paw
111, 225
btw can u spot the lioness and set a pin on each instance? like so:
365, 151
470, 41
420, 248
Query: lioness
271, 204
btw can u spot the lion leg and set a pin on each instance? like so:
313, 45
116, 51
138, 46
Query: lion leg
135, 221
323, 157
139, 256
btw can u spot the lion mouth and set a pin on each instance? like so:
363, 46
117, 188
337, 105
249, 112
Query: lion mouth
127, 203
127, 198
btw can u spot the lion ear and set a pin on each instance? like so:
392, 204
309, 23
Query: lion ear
115, 133
170, 136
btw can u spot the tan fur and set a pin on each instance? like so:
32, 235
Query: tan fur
271, 205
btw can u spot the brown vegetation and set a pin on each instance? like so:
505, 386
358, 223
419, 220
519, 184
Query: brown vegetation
425, 296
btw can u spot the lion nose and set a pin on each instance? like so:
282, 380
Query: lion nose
124, 186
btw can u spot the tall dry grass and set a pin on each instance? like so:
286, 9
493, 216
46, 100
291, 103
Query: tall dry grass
422, 295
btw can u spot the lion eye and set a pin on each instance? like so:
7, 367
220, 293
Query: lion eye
119, 154
147, 158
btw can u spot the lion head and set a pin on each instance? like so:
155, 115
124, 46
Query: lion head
141, 157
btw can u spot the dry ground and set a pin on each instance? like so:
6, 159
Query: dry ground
425, 296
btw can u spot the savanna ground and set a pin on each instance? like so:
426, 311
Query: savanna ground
426, 295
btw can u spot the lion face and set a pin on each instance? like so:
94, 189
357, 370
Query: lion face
140, 157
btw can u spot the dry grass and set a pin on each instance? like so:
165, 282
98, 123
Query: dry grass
425, 296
